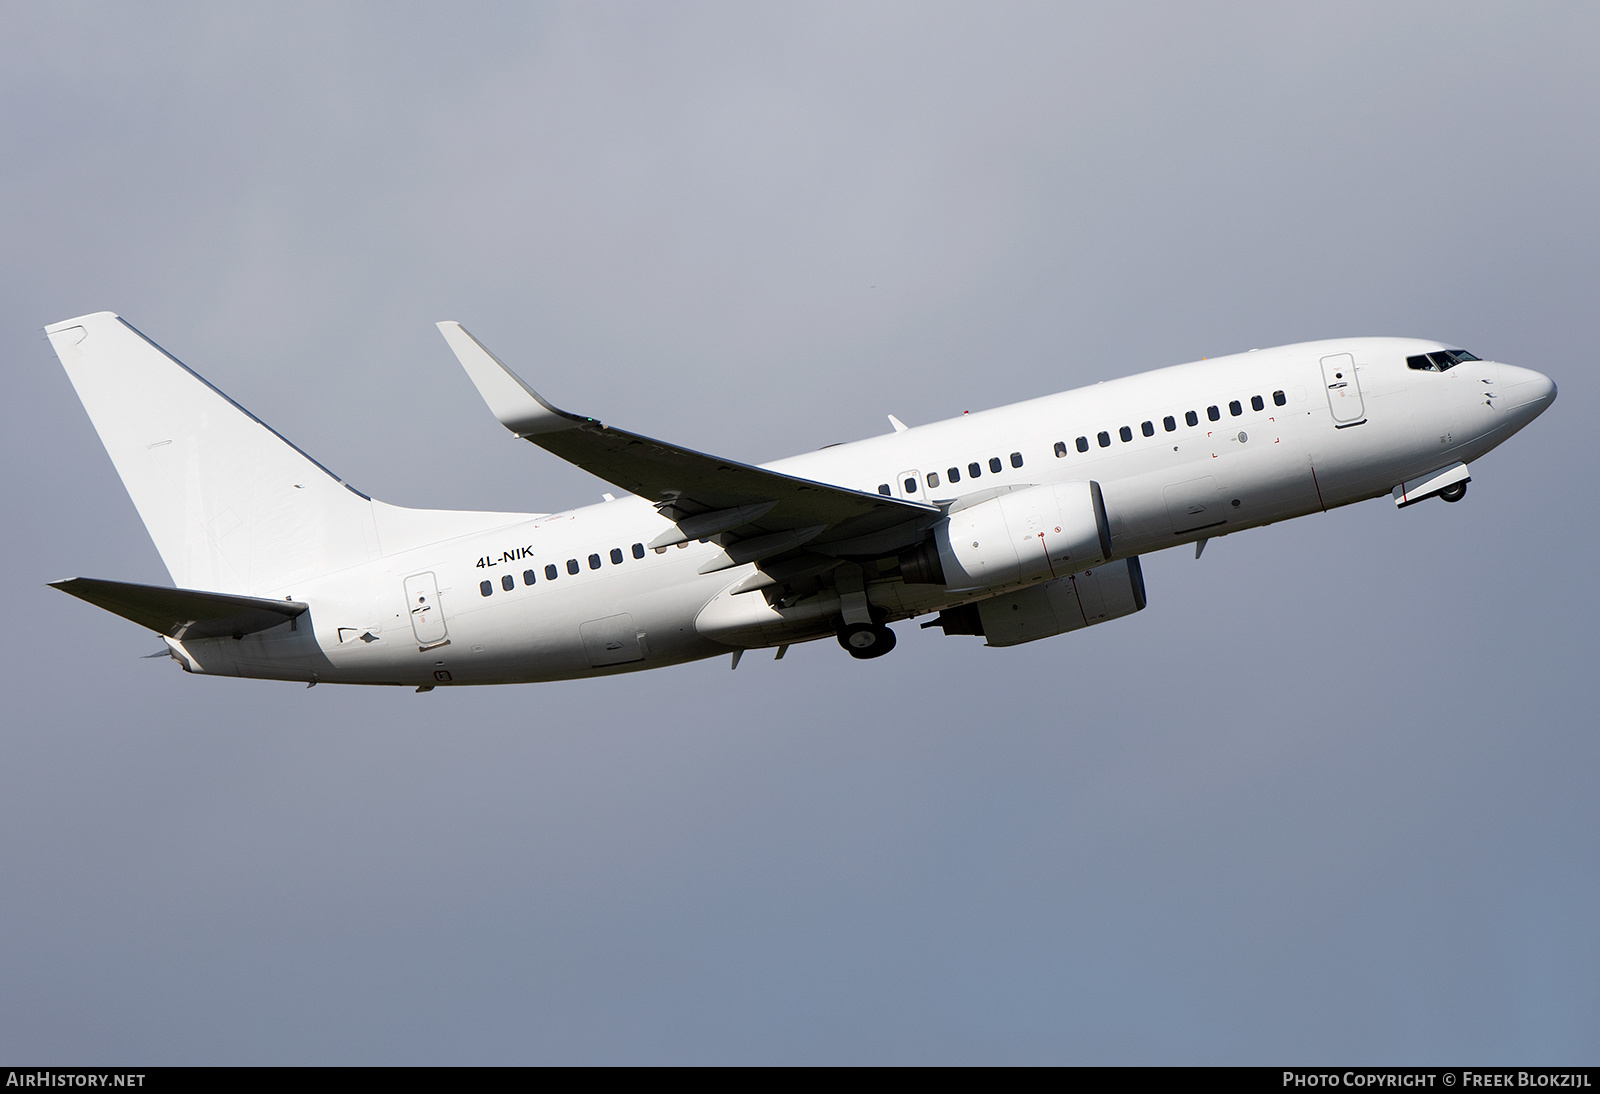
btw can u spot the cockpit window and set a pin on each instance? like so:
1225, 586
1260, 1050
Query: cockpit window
1441, 361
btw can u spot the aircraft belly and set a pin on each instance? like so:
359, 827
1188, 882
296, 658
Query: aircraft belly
1194, 504
1263, 474
1365, 461
1192, 494
747, 620
267, 655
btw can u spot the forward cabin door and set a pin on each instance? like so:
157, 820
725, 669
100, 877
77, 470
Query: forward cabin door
1344, 390
427, 621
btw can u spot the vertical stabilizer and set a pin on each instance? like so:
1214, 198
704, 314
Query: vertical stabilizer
231, 505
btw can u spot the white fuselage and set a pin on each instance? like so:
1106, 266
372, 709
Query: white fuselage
1292, 435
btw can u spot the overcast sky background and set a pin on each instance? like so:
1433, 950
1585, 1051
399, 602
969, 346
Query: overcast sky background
1332, 796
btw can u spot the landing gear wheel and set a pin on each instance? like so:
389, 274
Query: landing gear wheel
1454, 493
864, 640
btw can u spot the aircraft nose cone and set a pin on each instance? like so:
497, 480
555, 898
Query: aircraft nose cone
1525, 390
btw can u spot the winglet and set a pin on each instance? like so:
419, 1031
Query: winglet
517, 406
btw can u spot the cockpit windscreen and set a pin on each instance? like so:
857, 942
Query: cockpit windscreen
1442, 361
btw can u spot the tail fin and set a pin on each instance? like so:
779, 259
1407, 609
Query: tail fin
231, 505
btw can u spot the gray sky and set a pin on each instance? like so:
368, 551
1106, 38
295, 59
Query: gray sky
1331, 797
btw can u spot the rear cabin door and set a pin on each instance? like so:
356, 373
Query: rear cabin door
1344, 390
427, 621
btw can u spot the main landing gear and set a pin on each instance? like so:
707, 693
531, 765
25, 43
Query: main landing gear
864, 640
861, 628
1455, 492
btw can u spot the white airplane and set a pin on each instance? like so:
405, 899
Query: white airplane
1013, 524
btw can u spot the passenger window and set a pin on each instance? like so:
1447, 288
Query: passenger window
550, 572
661, 550
994, 464
1126, 434
1235, 409
507, 582
953, 474
1213, 413
1148, 429
933, 480
1257, 403
883, 488
616, 556
1061, 449
911, 486
1279, 398
1191, 417
1016, 458
1083, 444
485, 587
974, 470
638, 550
1169, 423
1104, 438
572, 565
528, 577
594, 562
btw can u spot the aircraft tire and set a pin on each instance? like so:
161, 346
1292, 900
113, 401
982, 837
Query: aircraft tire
1454, 493
866, 640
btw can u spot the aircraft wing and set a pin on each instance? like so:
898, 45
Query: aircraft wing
705, 495
183, 613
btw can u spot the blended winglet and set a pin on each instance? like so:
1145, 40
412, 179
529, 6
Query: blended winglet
516, 405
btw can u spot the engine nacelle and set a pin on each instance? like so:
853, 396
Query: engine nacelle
1053, 607
1024, 536
1065, 604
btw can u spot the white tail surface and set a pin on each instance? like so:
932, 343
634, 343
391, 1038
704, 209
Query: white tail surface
230, 504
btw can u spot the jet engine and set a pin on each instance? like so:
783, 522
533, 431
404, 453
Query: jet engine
1021, 536
1054, 607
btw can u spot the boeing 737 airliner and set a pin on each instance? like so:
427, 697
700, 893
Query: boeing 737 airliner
1012, 524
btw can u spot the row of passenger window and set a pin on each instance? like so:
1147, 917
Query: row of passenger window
974, 471
529, 577
1170, 423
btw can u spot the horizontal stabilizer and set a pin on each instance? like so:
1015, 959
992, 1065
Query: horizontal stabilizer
183, 613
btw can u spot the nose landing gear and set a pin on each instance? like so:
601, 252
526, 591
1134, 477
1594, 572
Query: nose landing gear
864, 640
1454, 493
